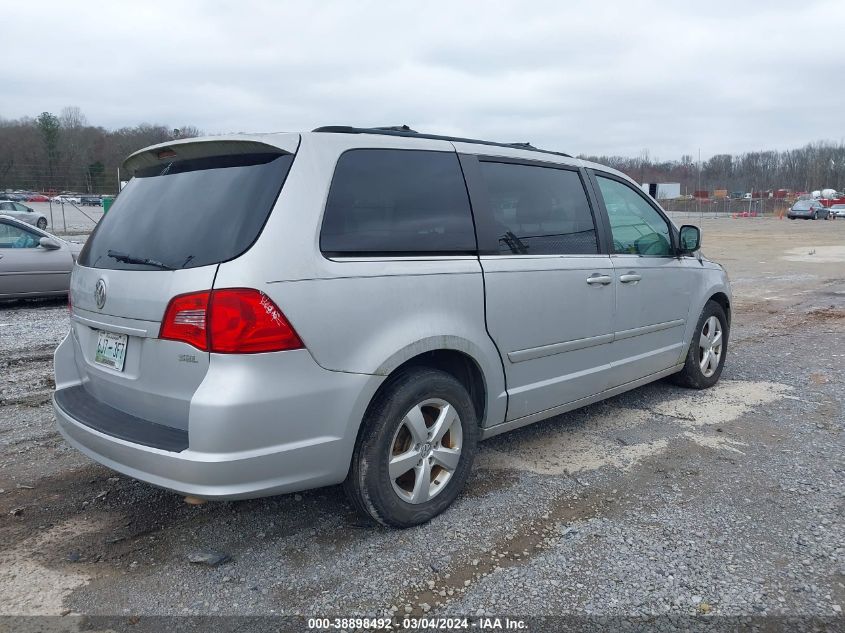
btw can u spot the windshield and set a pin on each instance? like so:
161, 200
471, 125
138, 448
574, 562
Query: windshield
803, 205
189, 213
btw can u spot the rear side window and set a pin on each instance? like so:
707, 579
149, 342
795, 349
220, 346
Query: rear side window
397, 202
188, 213
15, 237
539, 210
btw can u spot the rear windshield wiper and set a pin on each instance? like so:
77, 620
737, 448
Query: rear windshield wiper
129, 259
515, 244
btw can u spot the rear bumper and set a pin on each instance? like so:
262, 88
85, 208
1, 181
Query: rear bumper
251, 434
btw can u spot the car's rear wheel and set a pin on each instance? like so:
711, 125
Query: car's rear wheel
415, 449
707, 351
42, 223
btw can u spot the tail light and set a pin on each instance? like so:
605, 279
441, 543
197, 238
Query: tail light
185, 319
229, 321
245, 321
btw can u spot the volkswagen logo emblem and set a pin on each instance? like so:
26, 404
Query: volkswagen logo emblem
100, 293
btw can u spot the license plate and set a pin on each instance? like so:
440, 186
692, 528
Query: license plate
111, 350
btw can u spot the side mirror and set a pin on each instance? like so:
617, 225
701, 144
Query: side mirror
49, 243
690, 239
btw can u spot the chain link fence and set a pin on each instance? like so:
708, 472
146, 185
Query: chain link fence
727, 207
68, 218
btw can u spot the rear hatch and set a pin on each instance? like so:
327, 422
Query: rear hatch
188, 207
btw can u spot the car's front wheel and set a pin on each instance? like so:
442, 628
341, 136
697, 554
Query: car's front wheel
415, 449
42, 223
707, 351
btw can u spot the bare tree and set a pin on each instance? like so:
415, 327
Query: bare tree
65, 153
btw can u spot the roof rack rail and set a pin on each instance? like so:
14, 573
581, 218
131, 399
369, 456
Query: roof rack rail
404, 130
396, 128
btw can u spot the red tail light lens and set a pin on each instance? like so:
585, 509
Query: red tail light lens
246, 321
185, 319
229, 321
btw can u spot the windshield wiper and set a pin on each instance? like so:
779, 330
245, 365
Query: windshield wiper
146, 261
514, 243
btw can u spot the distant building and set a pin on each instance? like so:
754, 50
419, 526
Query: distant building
662, 190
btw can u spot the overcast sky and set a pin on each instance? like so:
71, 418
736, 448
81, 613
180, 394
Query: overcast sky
592, 77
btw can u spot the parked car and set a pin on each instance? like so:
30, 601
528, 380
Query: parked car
33, 263
66, 199
24, 213
38, 197
380, 301
91, 201
808, 210
838, 210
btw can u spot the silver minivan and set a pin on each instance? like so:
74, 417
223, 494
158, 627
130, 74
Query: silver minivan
268, 313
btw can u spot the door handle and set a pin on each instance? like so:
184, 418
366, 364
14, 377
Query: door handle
629, 278
597, 279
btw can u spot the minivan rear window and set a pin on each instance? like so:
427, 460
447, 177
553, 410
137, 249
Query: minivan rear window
397, 202
188, 213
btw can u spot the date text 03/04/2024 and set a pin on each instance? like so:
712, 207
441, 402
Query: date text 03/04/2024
424, 623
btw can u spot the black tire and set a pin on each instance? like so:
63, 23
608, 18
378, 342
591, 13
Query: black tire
369, 486
41, 224
816, 216
691, 376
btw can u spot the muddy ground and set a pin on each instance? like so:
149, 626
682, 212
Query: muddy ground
661, 500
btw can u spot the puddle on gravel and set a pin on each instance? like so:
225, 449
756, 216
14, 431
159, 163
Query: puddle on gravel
568, 449
816, 254
30, 588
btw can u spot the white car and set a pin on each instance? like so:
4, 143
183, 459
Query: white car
23, 213
838, 210
66, 199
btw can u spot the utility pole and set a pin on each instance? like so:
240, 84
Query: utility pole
698, 193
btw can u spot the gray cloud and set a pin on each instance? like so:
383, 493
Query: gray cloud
582, 77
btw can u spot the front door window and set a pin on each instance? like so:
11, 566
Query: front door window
637, 228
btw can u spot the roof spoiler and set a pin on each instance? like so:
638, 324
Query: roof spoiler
187, 149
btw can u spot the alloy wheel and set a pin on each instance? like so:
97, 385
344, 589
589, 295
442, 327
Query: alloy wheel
710, 346
425, 451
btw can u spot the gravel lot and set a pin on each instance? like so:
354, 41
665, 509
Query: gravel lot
659, 501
